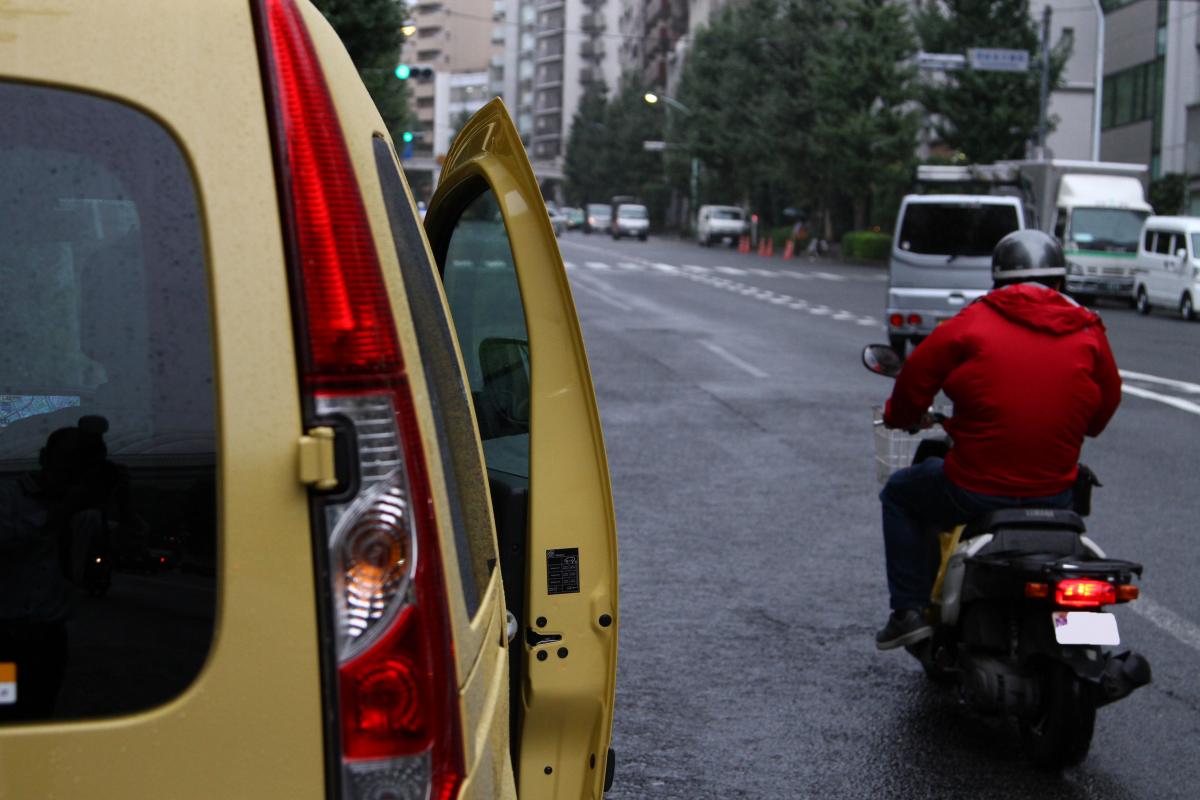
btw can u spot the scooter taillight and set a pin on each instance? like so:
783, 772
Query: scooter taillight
1084, 593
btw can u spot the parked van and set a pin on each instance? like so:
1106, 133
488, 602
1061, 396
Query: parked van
1168, 265
374, 445
720, 223
942, 258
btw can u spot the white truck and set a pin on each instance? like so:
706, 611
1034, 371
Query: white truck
1095, 208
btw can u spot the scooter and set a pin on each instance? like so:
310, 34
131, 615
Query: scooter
1018, 611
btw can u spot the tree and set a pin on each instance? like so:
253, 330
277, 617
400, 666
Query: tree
585, 165
864, 121
987, 116
1168, 193
370, 30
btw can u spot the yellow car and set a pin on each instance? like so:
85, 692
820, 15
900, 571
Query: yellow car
297, 499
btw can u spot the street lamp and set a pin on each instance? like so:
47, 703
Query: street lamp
652, 99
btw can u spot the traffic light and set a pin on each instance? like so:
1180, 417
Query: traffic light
408, 136
418, 71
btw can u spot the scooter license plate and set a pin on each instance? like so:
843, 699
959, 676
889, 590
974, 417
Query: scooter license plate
1085, 627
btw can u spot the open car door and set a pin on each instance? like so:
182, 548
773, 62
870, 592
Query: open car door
519, 335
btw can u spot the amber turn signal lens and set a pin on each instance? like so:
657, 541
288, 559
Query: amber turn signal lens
1037, 591
1127, 592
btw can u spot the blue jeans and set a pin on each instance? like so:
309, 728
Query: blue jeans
918, 503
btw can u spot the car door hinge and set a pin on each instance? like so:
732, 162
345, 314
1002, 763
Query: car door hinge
318, 467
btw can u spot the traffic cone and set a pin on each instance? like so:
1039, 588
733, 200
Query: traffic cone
789, 249
762, 247
744, 244
770, 246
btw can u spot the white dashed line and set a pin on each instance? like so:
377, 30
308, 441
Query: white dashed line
732, 359
670, 268
1190, 388
1174, 402
1166, 619
829, 276
597, 265
730, 270
630, 266
569, 265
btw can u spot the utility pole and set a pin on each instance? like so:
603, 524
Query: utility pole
1045, 91
1098, 91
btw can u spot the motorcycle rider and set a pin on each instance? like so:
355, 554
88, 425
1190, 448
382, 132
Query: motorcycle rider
1030, 373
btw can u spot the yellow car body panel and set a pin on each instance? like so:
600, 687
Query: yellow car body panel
567, 696
252, 722
255, 709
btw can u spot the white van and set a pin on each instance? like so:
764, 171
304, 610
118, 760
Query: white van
717, 223
1168, 263
942, 258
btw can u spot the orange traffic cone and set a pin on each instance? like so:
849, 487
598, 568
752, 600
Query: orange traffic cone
789, 249
744, 244
770, 246
762, 247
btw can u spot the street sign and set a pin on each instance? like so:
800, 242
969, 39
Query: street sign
654, 147
996, 59
942, 61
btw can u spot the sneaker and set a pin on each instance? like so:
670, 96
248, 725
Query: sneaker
904, 627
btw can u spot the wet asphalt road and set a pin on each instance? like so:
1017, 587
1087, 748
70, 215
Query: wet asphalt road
736, 414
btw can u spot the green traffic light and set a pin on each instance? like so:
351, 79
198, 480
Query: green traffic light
407, 136
403, 71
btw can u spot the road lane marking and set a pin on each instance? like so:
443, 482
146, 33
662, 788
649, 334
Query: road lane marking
766, 273
732, 359
845, 315
1174, 402
730, 270
602, 294
1190, 388
696, 269
802, 276
670, 268
829, 276
629, 266
1167, 620
569, 264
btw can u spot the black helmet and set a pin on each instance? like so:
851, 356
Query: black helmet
1028, 255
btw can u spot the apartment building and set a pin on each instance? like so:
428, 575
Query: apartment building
554, 48
1151, 107
653, 39
450, 37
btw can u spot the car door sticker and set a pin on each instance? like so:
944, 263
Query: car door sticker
562, 571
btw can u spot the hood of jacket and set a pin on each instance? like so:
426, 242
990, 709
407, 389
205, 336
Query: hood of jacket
1040, 308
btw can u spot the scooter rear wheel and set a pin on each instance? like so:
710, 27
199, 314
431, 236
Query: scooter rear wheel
1061, 734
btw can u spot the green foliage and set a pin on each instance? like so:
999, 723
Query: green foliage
587, 149
370, 30
866, 245
987, 116
1168, 193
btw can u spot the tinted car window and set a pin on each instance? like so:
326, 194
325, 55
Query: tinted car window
107, 427
726, 214
1165, 243
1195, 245
1109, 229
954, 229
465, 482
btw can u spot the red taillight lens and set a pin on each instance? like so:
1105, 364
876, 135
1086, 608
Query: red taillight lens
914, 319
1084, 593
349, 320
397, 716
896, 320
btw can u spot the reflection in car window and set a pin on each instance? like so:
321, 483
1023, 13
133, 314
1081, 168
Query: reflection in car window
107, 426
954, 229
485, 303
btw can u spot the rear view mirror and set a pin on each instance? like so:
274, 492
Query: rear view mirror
882, 360
1181, 254
504, 364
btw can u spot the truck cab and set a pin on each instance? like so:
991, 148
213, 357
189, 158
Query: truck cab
1098, 219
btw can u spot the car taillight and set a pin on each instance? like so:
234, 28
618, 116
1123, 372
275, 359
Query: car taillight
1084, 593
896, 320
396, 731
914, 319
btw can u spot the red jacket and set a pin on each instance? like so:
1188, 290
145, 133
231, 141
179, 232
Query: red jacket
1030, 373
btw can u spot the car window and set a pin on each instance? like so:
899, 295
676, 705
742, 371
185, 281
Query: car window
108, 523
485, 303
631, 212
1113, 230
465, 482
1148, 241
1196, 245
726, 214
956, 229
1165, 243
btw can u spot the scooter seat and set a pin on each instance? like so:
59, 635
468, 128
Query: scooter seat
1057, 519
